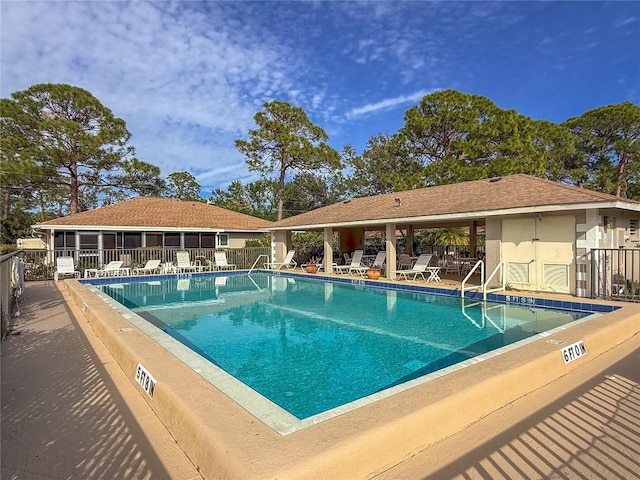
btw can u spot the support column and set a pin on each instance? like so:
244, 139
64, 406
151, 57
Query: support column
390, 247
588, 236
280, 242
328, 250
493, 247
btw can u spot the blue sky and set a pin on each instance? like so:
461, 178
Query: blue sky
188, 77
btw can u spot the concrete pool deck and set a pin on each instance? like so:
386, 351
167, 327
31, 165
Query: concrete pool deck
576, 420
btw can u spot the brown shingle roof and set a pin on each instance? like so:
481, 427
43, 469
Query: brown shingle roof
162, 213
514, 191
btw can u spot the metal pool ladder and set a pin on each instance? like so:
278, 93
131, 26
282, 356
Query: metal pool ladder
483, 284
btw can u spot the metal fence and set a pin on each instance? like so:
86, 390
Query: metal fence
615, 274
41, 264
7, 299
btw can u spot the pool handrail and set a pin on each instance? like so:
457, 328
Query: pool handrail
501, 288
256, 262
473, 287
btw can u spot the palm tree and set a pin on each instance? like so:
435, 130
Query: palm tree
452, 236
447, 237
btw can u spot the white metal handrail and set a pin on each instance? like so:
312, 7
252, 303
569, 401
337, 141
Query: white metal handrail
473, 287
255, 263
501, 288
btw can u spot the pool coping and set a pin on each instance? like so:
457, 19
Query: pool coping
229, 442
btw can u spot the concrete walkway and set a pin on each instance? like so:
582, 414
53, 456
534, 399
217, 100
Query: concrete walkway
69, 412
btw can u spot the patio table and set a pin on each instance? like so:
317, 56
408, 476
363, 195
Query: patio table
168, 268
434, 274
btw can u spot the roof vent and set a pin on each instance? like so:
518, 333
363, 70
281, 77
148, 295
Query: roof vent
347, 200
495, 179
398, 202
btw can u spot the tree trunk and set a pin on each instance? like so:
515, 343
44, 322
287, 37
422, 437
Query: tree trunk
73, 170
622, 174
5, 209
283, 171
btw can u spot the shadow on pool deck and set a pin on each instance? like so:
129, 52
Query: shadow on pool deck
584, 426
68, 411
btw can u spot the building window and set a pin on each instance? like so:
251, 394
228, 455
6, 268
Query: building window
153, 239
223, 240
111, 241
171, 239
633, 228
132, 239
208, 240
88, 241
191, 240
64, 240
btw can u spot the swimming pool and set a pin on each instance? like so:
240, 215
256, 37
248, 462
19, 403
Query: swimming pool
319, 347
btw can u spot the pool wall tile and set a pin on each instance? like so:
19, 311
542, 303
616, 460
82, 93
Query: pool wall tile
414, 288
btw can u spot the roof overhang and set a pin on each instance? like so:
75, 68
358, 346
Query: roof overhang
464, 216
103, 228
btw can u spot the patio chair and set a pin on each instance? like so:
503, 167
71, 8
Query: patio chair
64, 267
418, 268
356, 261
287, 263
404, 262
220, 262
126, 260
378, 262
152, 266
203, 264
184, 262
451, 265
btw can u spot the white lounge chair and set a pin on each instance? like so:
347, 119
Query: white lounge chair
220, 262
152, 266
378, 262
64, 267
418, 268
183, 262
356, 261
287, 263
111, 269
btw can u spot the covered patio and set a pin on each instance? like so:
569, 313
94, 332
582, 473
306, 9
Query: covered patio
537, 233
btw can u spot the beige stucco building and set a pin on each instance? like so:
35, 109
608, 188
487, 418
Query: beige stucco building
539, 233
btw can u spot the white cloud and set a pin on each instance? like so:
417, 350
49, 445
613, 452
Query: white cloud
386, 104
188, 77
625, 21
167, 69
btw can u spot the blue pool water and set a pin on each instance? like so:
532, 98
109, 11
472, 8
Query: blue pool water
310, 346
